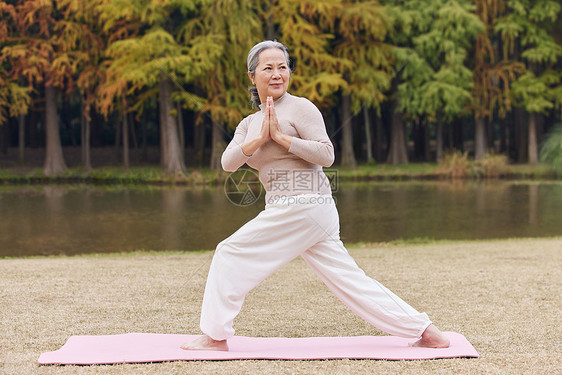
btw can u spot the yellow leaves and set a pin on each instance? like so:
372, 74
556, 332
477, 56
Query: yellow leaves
492, 87
112, 88
14, 99
221, 113
67, 34
363, 20
20, 100
115, 12
319, 87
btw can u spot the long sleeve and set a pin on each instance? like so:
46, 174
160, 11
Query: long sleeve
233, 157
314, 145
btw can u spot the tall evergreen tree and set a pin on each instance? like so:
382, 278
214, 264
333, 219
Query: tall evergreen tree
529, 24
432, 40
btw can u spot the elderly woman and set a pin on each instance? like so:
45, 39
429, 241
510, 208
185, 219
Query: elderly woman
286, 141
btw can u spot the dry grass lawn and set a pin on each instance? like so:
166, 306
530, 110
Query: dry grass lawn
504, 296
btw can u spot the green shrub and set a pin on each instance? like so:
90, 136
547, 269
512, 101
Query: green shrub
551, 149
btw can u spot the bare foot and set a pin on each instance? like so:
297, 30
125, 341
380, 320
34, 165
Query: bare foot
206, 343
432, 338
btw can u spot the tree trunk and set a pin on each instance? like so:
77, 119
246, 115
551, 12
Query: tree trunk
512, 136
4, 138
458, 135
66, 119
35, 124
85, 139
490, 135
144, 153
479, 138
539, 130
132, 128
163, 135
379, 152
181, 132
427, 143
217, 146
87, 154
398, 152
533, 144
172, 154
270, 23
503, 135
125, 140
348, 156
21, 139
118, 132
199, 144
54, 159
523, 136
368, 138
439, 141
419, 140
450, 137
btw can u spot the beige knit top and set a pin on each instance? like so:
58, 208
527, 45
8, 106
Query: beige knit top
286, 172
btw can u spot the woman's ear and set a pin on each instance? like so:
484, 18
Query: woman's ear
251, 78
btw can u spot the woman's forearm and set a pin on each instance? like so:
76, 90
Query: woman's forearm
284, 140
251, 146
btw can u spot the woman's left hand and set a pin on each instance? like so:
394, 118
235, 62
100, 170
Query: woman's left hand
274, 130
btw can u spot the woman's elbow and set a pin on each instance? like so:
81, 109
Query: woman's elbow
328, 161
228, 166
329, 157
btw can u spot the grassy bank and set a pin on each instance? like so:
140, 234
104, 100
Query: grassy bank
204, 176
504, 296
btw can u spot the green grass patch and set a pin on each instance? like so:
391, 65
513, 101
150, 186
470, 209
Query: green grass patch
155, 175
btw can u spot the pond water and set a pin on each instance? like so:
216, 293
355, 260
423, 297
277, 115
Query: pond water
48, 220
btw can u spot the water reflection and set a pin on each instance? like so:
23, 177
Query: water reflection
84, 219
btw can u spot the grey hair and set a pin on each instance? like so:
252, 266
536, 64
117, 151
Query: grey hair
253, 60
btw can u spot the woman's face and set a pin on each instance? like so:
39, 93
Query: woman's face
272, 74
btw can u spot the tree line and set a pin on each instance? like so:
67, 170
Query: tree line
397, 80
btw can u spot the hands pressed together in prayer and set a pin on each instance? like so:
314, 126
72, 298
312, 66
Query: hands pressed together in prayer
269, 130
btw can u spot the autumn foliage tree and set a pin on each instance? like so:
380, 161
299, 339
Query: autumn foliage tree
493, 73
159, 56
233, 28
40, 53
360, 31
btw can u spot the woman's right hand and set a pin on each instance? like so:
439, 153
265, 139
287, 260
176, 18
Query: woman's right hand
253, 145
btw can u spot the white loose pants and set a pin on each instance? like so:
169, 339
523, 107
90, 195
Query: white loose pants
305, 225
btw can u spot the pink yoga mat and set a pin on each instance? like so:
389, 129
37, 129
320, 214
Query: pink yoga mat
153, 347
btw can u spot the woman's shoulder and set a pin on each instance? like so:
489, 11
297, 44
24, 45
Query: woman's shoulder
247, 120
301, 102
